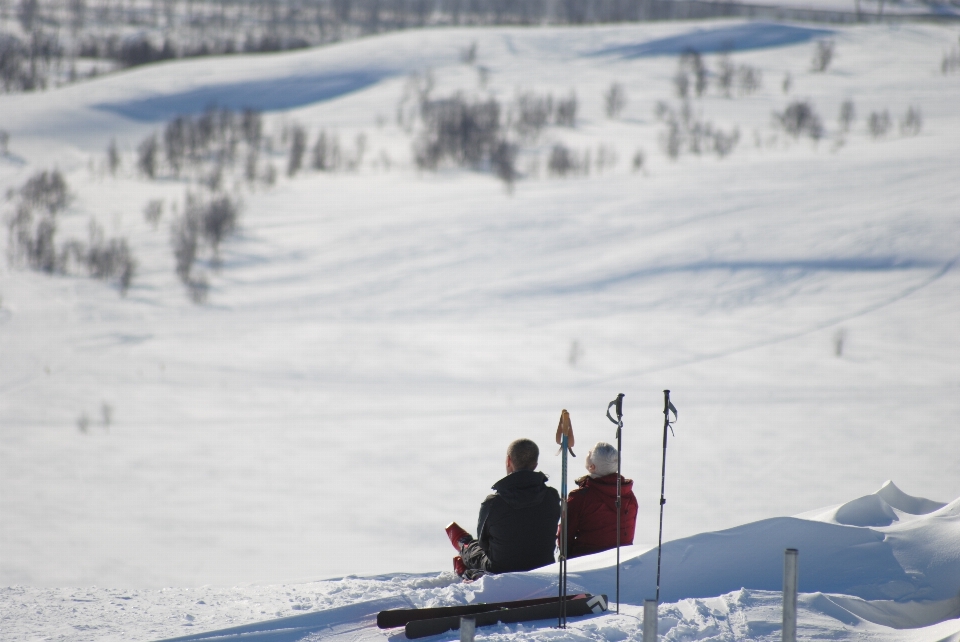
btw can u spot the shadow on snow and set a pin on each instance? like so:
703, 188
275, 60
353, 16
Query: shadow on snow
865, 264
754, 35
268, 94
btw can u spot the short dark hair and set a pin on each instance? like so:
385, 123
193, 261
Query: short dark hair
523, 454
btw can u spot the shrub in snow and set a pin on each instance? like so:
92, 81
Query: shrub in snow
113, 158
878, 124
561, 161
468, 55
566, 114
153, 211
912, 122
749, 79
614, 100
848, 114
455, 130
109, 258
686, 132
822, 55
681, 84
564, 161
800, 119
951, 61
205, 223
298, 146
32, 236
206, 146
147, 156
46, 190
532, 113
184, 238
251, 126
250, 166
326, 152
606, 157
745, 78
725, 73
30, 239
639, 158
690, 70
503, 161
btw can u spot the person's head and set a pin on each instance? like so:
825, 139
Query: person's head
522, 454
602, 460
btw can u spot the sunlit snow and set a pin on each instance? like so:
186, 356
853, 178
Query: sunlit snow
373, 340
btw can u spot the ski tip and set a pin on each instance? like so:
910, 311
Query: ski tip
598, 603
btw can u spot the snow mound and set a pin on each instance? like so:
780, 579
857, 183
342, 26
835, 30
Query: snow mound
898, 499
864, 550
869, 510
882, 508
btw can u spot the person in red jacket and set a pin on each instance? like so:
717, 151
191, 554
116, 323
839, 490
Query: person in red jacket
592, 508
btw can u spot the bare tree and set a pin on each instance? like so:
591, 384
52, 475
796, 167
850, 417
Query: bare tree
879, 123
822, 55
800, 118
298, 146
912, 122
566, 115
614, 100
147, 156
113, 158
848, 113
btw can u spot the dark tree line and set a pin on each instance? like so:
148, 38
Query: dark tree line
26, 65
480, 133
136, 32
214, 137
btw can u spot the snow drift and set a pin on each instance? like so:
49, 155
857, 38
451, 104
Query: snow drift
862, 578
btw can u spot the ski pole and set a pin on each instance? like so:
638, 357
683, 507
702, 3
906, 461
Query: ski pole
618, 402
667, 408
566, 441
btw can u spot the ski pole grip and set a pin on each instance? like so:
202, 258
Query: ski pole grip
618, 402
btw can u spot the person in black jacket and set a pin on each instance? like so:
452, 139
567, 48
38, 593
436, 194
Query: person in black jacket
517, 527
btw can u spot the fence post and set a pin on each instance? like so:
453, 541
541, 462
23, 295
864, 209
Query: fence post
790, 574
649, 621
468, 628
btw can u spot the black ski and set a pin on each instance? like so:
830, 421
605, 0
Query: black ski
399, 617
575, 605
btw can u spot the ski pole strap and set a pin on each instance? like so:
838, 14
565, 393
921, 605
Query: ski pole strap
618, 402
668, 407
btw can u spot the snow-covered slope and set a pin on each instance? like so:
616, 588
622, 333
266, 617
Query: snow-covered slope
856, 583
374, 339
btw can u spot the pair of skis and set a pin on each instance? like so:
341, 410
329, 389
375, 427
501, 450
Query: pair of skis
419, 623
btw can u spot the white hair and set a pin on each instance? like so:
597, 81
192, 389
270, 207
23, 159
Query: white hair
604, 457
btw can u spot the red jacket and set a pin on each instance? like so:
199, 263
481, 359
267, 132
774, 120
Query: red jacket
592, 515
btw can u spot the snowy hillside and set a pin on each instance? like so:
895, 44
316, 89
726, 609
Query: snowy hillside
854, 585
370, 338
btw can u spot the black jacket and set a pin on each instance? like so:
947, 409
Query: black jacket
518, 524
